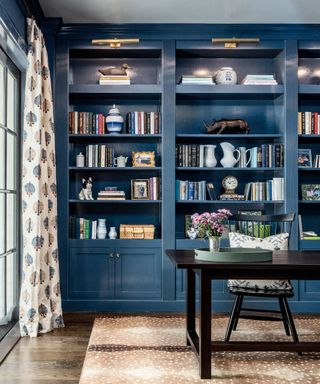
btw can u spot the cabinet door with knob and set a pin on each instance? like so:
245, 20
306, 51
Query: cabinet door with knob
91, 273
138, 273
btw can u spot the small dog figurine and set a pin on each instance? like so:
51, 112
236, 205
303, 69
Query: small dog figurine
86, 191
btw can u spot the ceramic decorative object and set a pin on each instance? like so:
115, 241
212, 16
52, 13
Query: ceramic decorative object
113, 233
214, 243
120, 161
86, 190
228, 160
192, 233
101, 229
114, 120
244, 158
80, 160
112, 71
226, 75
210, 160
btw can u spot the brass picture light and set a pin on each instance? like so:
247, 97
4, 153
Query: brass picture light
115, 43
232, 42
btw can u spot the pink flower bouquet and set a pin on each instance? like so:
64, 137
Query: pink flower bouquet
210, 224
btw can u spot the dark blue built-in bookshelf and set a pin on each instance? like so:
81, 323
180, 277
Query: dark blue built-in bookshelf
136, 275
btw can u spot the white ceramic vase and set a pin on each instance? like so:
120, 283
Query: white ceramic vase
226, 75
210, 160
228, 160
101, 229
113, 233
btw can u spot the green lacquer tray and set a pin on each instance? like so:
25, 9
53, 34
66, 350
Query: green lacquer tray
234, 255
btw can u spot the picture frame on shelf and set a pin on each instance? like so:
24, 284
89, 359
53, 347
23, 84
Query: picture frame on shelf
310, 192
140, 189
304, 158
143, 159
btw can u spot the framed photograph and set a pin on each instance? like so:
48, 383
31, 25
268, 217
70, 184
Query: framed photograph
140, 189
304, 158
310, 191
143, 159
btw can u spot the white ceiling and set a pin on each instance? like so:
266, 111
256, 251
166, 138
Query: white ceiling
183, 11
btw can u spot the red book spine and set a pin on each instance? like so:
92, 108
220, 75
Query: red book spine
316, 122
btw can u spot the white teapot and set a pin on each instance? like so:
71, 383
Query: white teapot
120, 161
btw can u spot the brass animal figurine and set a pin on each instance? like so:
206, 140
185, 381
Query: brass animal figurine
225, 126
109, 71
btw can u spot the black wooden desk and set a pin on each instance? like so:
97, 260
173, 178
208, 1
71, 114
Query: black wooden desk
285, 265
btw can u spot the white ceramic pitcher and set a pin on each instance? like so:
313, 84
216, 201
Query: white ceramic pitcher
228, 160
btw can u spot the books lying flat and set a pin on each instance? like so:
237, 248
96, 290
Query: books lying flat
114, 80
259, 80
189, 79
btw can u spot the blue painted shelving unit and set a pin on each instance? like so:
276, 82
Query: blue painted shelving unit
136, 275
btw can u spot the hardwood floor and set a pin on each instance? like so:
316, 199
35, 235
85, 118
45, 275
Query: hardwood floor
53, 358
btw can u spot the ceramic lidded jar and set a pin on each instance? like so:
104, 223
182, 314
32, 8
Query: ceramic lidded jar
114, 120
226, 75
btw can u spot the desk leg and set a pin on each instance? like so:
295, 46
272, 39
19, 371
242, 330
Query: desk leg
205, 326
191, 302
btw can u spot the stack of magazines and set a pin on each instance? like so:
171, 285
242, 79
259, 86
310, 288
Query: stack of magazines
259, 80
190, 79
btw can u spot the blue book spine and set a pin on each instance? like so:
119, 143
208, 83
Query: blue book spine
178, 195
191, 191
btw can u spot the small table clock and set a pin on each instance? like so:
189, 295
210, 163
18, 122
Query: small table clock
229, 183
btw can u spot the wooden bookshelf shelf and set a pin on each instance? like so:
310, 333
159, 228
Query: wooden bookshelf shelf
226, 202
85, 202
116, 91
115, 169
232, 169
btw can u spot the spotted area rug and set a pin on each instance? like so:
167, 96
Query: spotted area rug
152, 350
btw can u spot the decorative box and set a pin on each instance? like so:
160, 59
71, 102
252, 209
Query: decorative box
137, 231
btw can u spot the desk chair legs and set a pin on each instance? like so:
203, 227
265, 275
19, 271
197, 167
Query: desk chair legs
234, 317
284, 310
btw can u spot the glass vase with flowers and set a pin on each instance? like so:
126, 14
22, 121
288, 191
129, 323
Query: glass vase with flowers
210, 225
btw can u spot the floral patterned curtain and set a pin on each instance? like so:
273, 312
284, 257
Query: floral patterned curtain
40, 300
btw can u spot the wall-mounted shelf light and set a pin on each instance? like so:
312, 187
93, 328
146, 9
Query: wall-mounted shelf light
114, 43
234, 41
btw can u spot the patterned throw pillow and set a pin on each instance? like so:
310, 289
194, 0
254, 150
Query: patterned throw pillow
277, 242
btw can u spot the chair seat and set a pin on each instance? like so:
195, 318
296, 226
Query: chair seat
264, 285
261, 292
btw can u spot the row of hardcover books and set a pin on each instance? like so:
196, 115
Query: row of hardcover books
190, 190
267, 156
190, 155
99, 155
80, 228
265, 190
308, 123
138, 122
142, 123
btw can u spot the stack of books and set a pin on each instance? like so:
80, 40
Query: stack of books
86, 123
259, 80
111, 193
231, 196
114, 80
190, 79
190, 190
141, 123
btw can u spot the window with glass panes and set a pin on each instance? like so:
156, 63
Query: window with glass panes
9, 191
